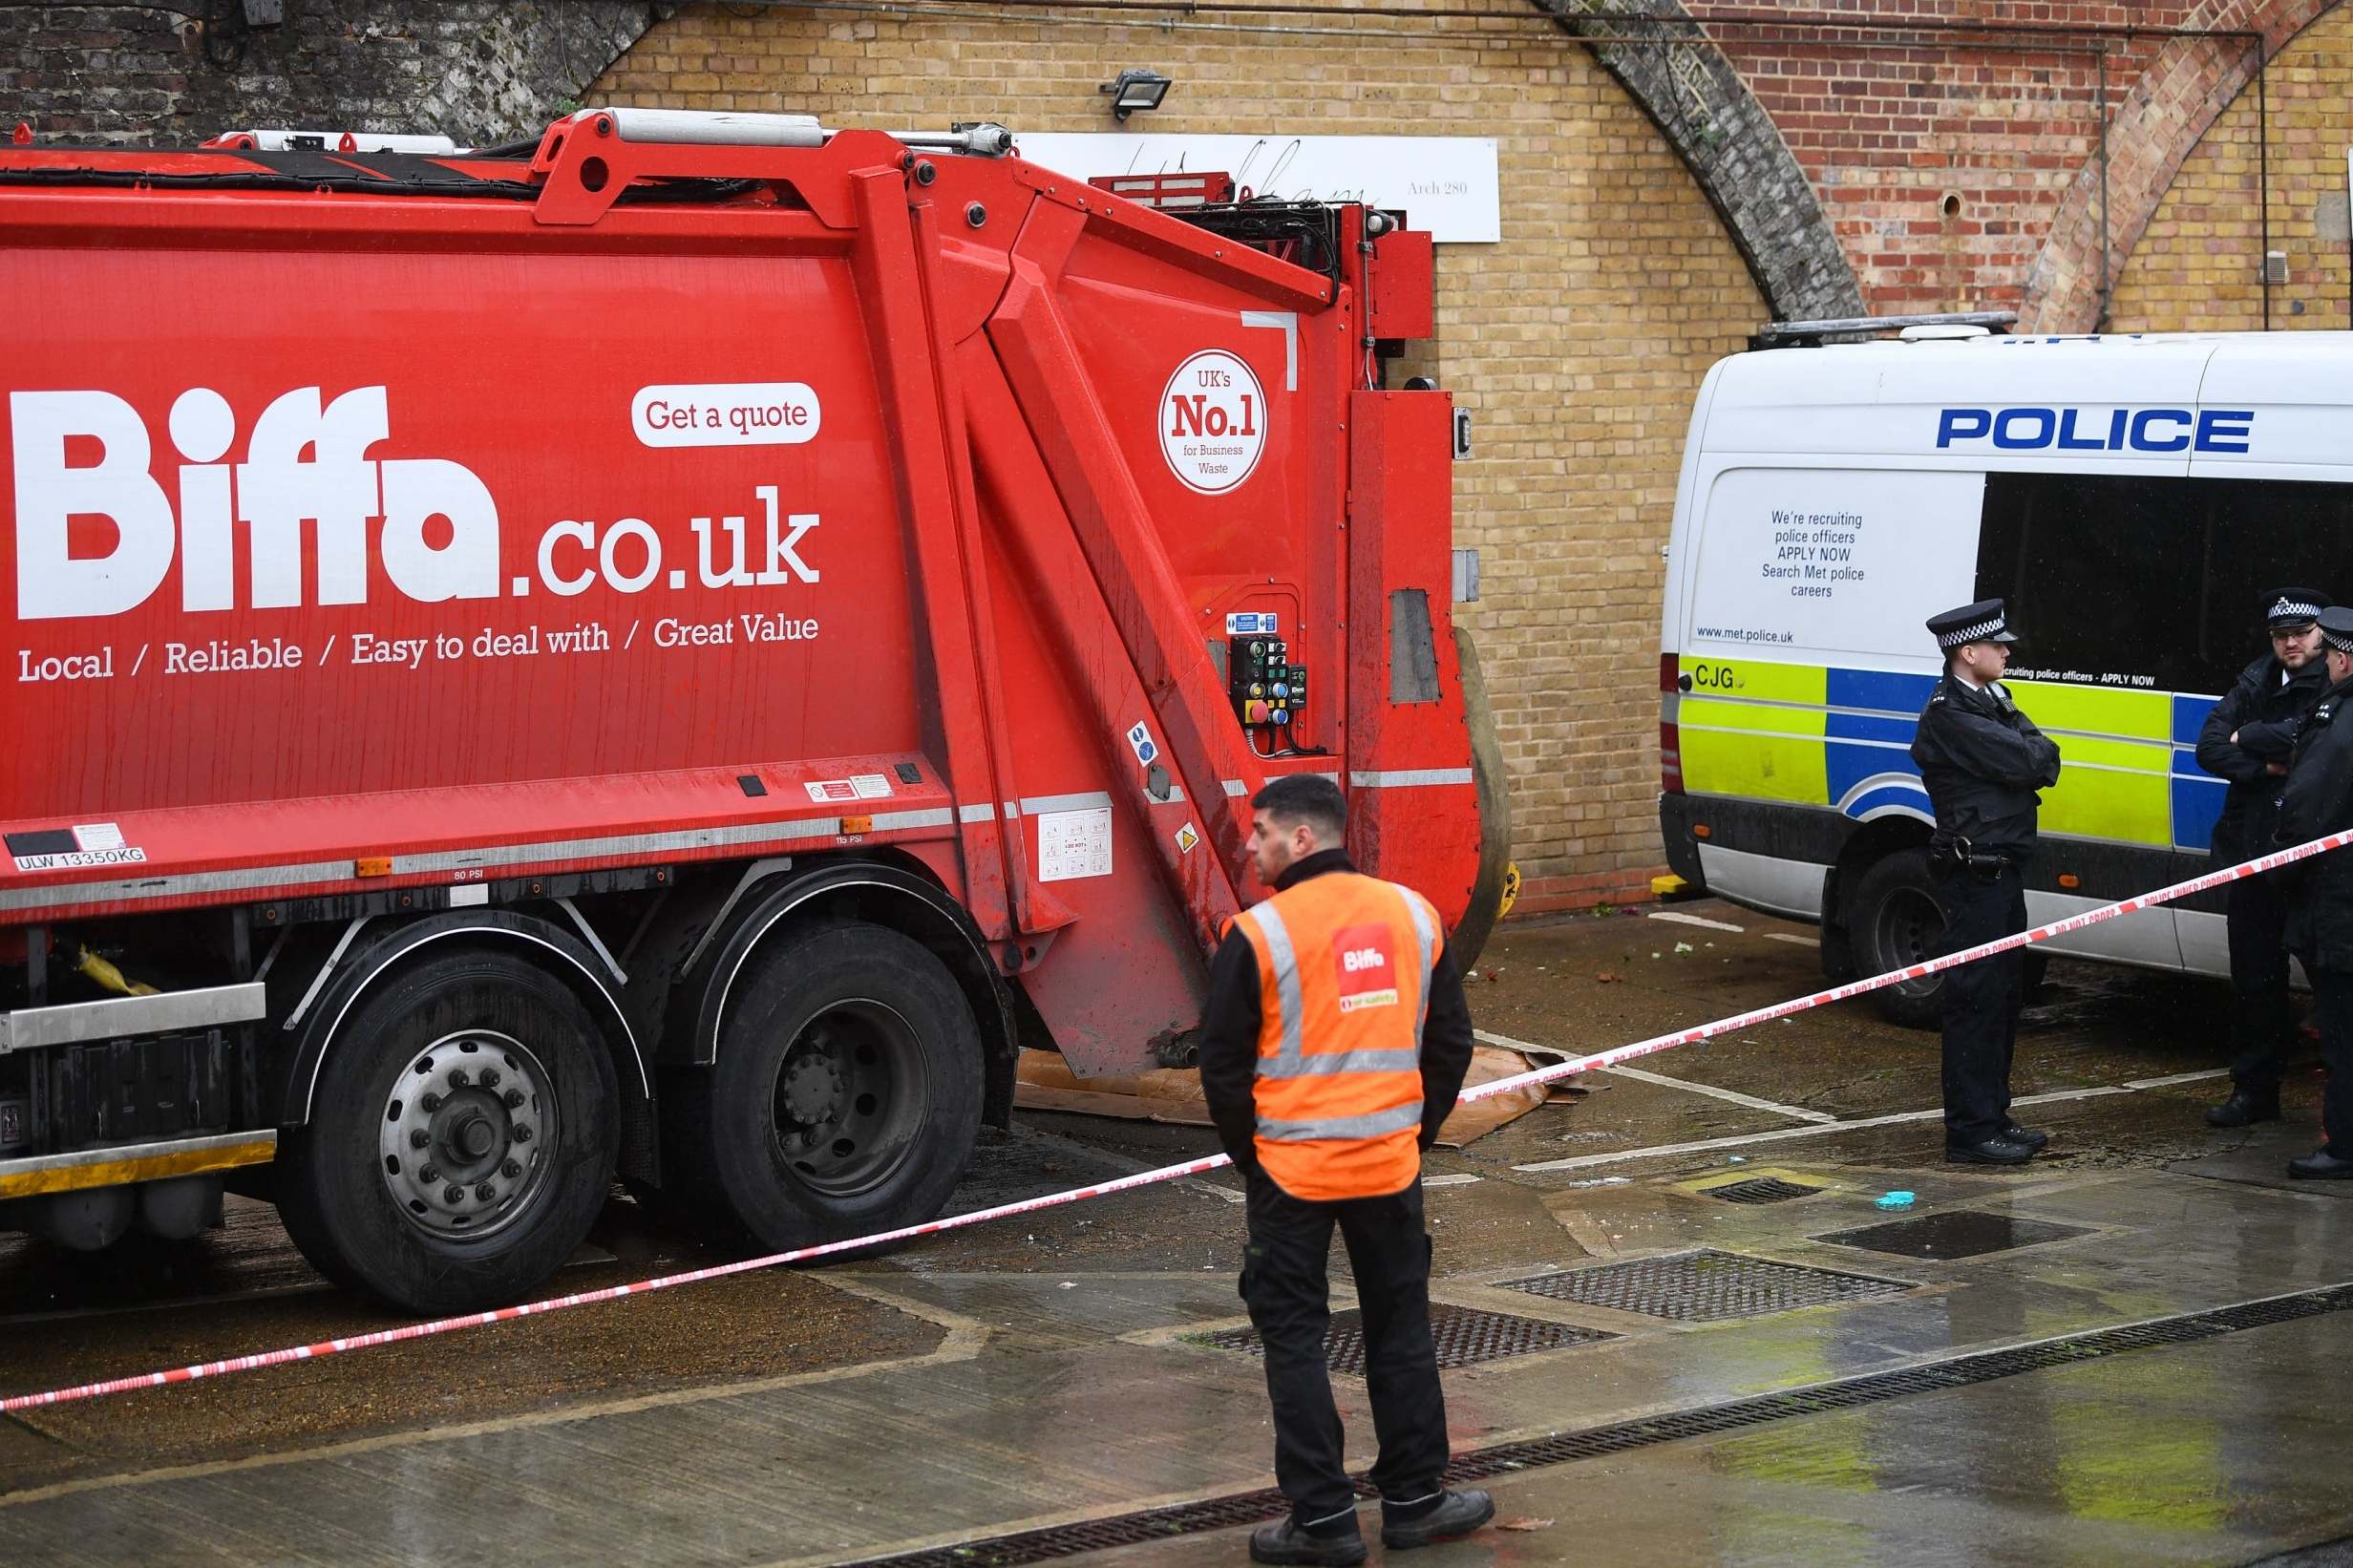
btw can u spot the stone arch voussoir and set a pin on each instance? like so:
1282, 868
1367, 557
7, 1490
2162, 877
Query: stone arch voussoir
2165, 116
1731, 144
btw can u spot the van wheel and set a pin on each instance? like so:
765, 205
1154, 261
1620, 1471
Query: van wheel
1894, 922
846, 1096
463, 1139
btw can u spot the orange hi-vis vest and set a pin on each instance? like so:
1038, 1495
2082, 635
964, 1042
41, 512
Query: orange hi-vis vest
1344, 992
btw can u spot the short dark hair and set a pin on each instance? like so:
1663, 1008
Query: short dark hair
1311, 799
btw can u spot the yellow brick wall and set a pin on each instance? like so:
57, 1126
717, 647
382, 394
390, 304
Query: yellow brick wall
2196, 267
1578, 343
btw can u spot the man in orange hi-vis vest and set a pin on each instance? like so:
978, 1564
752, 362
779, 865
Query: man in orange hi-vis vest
1333, 1045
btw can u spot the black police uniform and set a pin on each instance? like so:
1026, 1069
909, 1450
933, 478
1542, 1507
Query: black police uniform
2250, 732
1981, 760
2318, 801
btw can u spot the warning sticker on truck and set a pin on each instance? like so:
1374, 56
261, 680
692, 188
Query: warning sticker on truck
1072, 844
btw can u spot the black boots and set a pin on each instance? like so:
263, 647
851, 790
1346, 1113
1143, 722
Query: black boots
2321, 1165
2245, 1107
1287, 1541
1338, 1542
1457, 1514
2001, 1151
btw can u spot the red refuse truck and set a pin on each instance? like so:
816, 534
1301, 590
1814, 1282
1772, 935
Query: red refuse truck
672, 654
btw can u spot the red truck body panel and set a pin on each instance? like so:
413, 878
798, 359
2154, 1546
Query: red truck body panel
361, 541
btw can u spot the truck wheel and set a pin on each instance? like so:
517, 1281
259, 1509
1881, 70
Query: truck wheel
461, 1140
846, 1097
1894, 922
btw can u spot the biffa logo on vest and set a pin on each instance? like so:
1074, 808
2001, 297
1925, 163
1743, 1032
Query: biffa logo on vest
1366, 968
2098, 429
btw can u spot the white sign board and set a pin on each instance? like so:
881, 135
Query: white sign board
1447, 185
1844, 560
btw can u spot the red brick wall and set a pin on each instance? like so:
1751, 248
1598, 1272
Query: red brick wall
1948, 161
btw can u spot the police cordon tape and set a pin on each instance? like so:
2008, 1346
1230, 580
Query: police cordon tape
1167, 1173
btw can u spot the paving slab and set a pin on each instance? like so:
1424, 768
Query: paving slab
1047, 1404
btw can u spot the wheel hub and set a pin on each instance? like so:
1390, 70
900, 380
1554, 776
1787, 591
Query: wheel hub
850, 1097
813, 1086
465, 1135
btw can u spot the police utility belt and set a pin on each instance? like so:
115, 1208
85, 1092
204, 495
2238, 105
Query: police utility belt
1950, 852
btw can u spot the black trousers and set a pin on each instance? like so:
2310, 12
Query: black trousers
2332, 996
1284, 1280
1981, 1001
2263, 1025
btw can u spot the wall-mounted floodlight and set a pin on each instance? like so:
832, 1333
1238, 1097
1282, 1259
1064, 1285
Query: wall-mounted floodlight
1135, 90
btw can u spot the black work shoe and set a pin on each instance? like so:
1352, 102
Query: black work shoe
1457, 1514
2032, 1137
1991, 1151
2320, 1166
1287, 1540
2244, 1107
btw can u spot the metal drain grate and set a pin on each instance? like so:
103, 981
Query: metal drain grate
1759, 1190
1705, 1287
1964, 1232
1063, 1540
1465, 1337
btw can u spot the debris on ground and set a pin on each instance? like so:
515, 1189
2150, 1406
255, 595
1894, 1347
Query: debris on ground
1893, 1200
1523, 1524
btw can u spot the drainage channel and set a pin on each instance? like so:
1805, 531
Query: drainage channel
1063, 1540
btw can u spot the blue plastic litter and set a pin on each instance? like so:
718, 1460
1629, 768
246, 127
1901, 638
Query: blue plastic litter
1894, 1200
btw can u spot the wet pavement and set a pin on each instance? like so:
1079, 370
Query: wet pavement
2129, 1352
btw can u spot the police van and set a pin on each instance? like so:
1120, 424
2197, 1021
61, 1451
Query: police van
2131, 497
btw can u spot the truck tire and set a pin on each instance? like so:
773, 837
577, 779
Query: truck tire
846, 1096
474, 1075
1893, 922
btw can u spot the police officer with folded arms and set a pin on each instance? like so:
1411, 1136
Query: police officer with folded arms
2247, 740
1981, 760
1333, 1045
2316, 802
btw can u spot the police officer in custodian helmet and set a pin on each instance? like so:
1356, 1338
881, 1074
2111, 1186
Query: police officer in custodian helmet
2319, 801
1981, 760
2247, 739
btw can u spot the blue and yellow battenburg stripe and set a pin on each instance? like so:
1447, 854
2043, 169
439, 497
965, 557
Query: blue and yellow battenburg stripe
1841, 738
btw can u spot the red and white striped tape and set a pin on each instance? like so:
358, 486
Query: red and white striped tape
1169, 1173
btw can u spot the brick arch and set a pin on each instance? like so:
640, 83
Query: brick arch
1736, 151
2167, 112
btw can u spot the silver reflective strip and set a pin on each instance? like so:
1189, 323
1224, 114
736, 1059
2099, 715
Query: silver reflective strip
1091, 800
1236, 787
1372, 1126
981, 813
1406, 778
1283, 958
1324, 1064
260, 879
1427, 934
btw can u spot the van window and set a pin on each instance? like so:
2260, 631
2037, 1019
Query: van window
2153, 583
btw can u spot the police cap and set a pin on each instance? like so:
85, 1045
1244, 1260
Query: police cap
1983, 622
2298, 608
2337, 628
